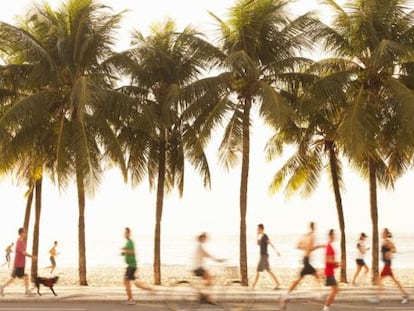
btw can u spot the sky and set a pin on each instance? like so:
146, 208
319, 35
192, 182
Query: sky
116, 205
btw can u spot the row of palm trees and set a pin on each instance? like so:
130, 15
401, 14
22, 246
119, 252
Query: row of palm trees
71, 105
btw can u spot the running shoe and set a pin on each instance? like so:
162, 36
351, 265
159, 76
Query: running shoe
404, 299
129, 302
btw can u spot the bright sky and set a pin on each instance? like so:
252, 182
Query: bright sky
117, 205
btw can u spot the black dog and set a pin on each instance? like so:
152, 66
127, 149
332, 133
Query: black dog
48, 282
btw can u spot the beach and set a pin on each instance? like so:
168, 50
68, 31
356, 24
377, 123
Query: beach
113, 276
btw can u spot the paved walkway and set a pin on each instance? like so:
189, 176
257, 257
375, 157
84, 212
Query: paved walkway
160, 293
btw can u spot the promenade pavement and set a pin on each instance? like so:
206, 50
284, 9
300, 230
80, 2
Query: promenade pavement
161, 293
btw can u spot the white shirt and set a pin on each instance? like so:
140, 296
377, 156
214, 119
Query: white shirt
361, 249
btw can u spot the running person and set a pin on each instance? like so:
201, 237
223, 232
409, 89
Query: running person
128, 251
330, 265
53, 253
307, 245
19, 263
360, 261
387, 249
9, 250
199, 268
263, 241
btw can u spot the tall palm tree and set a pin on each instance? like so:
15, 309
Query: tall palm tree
63, 51
165, 130
319, 108
261, 44
377, 36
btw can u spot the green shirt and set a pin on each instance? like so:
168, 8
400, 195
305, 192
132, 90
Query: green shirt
130, 258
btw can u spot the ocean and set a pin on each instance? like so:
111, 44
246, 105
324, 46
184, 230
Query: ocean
177, 249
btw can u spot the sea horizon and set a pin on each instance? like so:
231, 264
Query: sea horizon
177, 250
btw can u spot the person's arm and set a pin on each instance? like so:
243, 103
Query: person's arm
315, 247
392, 247
208, 255
272, 245
128, 249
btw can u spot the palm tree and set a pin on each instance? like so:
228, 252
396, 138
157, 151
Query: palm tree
165, 130
63, 51
319, 107
374, 133
260, 44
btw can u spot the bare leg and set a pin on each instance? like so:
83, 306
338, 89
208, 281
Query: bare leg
142, 285
399, 285
9, 281
256, 279
275, 280
295, 284
356, 274
26, 283
128, 289
331, 296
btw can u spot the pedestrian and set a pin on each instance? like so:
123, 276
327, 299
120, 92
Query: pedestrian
387, 250
53, 253
330, 265
263, 241
307, 245
19, 263
360, 260
9, 250
128, 251
199, 267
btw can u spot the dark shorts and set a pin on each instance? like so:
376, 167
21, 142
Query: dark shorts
263, 263
360, 262
52, 260
18, 273
199, 271
130, 273
386, 270
330, 281
307, 268
7, 257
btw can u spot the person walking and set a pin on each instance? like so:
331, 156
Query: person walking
387, 250
307, 245
263, 241
360, 261
128, 251
9, 250
199, 267
330, 265
19, 263
53, 253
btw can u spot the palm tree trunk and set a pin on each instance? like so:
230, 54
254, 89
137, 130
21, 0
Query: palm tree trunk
158, 216
333, 163
28, 208
374, 219
243, 192
36, 229
81, 229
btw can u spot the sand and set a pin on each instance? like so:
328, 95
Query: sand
113, 276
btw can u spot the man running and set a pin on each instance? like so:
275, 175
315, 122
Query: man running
330, 265
307, 245
128, 251
19, 263
360, 261
263, 241
9, 250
